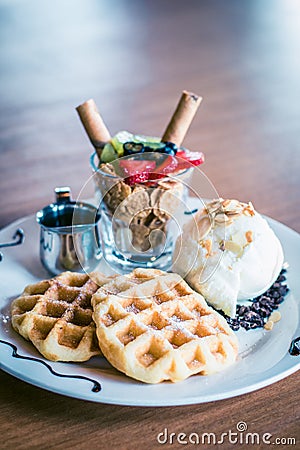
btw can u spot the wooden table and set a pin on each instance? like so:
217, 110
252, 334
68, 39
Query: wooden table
134, 58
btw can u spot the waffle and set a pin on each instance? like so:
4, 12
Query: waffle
153, 327
56, 316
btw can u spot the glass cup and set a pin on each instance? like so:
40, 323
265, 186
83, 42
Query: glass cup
139, 219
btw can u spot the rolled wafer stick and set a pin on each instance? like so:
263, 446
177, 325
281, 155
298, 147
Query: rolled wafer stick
182, 118
93, 124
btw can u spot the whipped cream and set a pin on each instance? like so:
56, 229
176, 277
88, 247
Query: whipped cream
228, 253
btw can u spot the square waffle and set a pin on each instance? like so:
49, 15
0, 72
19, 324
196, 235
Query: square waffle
56, 316
153, 327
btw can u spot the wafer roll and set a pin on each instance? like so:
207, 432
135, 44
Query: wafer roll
182, 118
93, 124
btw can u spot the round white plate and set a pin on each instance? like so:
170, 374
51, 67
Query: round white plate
263, 356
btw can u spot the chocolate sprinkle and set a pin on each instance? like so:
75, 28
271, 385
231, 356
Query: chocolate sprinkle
295, 347
256, 314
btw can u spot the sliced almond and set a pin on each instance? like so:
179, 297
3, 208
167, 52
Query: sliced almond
203, 227
233, 247
275, 316
226, 203
234, 214
269, 325
231, 205
213, 206
221, 218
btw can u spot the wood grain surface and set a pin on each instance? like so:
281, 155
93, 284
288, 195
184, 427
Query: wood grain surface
134, 58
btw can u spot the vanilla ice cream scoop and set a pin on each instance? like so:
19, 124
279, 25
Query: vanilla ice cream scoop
228, 253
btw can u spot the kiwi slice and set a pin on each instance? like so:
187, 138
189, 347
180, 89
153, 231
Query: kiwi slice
108, 153
125, 136
119, 139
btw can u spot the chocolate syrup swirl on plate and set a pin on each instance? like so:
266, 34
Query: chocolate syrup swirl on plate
96, 385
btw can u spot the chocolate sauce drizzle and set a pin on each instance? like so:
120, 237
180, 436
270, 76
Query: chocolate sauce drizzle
96, 388
18, 239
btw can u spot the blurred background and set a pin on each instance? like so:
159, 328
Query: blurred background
134, 58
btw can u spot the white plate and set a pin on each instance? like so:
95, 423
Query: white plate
263, 357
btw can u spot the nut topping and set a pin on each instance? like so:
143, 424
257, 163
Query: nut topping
226, 211
207, 244
221, 218
203, 227
231, 246
249, 236
275, 316
213, 206
269, 325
